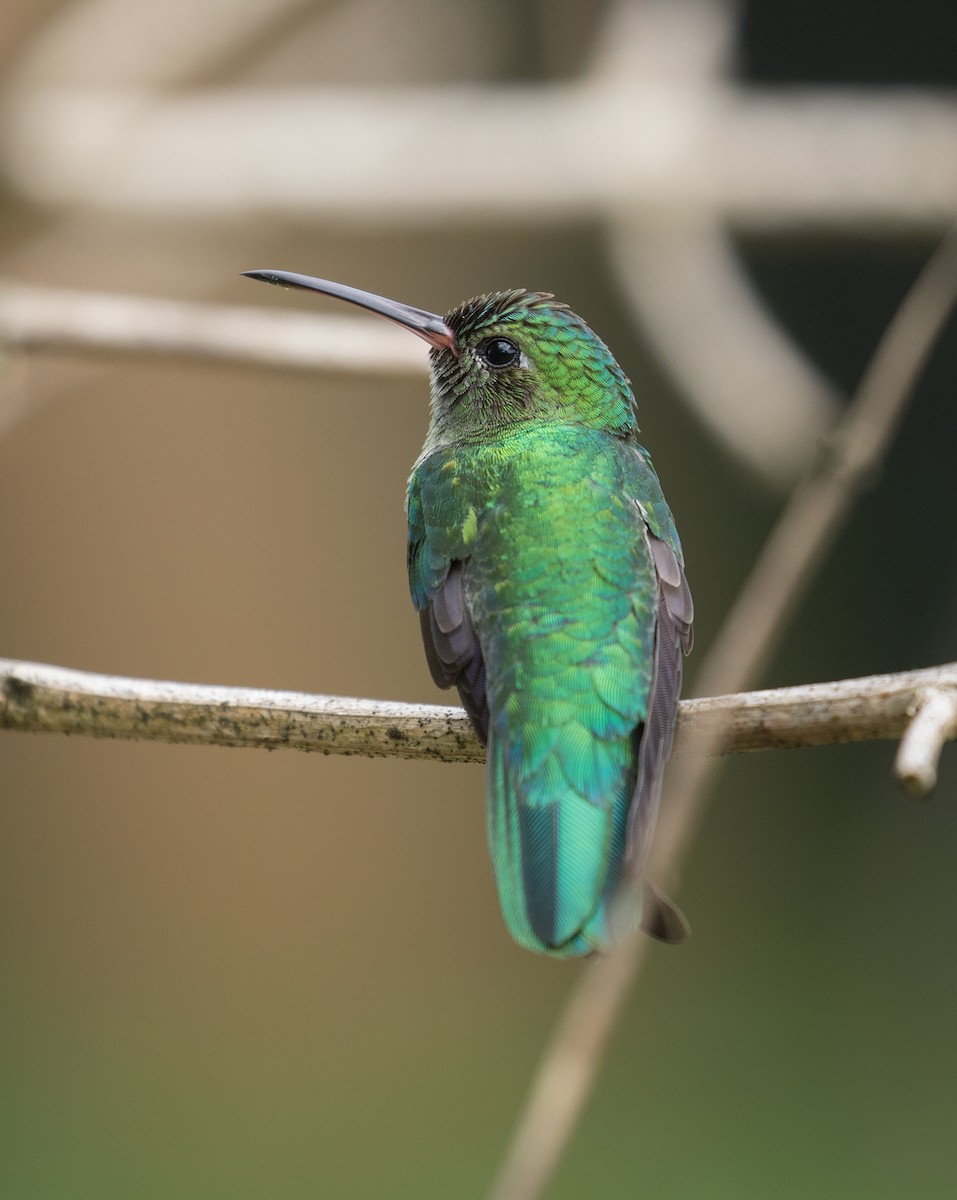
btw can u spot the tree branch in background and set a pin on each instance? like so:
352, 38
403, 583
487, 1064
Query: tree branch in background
786, 157
44, 699
806, 529
37, 318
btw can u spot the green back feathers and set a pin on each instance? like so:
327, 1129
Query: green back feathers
546, 570
531, 511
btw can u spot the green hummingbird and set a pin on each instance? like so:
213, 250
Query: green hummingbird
548, 576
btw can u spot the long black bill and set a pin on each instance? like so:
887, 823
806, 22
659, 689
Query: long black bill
428, 326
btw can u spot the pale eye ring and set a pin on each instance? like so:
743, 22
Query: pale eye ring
499, 352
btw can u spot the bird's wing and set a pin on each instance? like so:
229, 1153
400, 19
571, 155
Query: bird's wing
451, 646
453, 650
674, 635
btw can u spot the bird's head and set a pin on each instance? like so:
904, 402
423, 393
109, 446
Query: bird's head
502, 360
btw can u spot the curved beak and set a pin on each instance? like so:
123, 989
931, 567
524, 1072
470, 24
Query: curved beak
430, 327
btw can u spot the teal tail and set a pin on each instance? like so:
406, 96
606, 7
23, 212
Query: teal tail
557, 861
558, 865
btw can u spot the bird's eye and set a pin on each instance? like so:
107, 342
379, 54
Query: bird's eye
499, 352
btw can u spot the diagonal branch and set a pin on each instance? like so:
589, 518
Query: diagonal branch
806, 529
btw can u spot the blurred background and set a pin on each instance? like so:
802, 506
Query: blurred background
231, 974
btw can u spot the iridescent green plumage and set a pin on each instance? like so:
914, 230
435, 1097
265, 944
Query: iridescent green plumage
547, 572
532, 480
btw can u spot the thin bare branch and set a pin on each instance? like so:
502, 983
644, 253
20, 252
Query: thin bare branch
807, 528
934, 724
36, 318
37, 698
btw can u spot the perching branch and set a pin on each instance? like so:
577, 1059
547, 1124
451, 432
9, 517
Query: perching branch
43, 699
37, 698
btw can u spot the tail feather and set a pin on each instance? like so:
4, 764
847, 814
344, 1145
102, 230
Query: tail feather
552, 854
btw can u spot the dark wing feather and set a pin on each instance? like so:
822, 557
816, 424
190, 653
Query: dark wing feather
673, 635
452, 648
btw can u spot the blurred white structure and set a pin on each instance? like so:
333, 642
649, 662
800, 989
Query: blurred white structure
655, 139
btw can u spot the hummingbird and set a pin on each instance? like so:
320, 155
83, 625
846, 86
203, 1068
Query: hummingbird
549, 580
